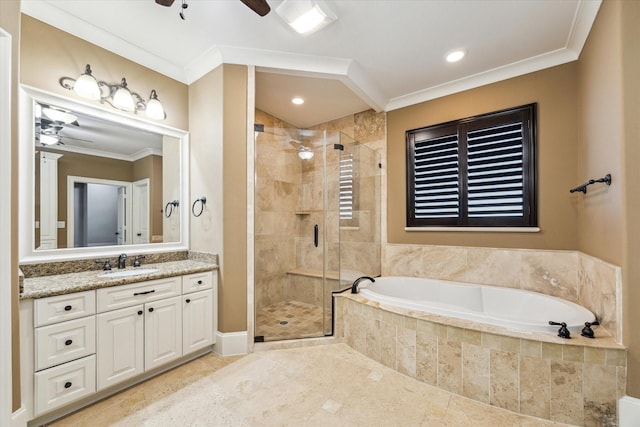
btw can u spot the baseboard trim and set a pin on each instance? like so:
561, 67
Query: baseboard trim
629, 411
231, 343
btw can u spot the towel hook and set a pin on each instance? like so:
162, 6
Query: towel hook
203, 201
168, 208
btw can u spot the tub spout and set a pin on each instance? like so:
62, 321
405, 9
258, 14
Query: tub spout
354, 287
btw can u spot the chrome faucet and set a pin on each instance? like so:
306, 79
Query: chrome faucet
122, 261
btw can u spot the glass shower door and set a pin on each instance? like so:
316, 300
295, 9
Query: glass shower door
289, 234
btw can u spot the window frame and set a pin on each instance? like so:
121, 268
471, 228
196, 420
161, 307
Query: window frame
527, 115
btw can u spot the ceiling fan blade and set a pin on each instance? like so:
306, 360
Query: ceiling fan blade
165, 2
261, 7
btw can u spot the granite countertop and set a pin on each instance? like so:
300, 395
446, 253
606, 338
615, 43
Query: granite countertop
59, 284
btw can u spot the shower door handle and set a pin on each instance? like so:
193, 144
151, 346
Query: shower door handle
315, 235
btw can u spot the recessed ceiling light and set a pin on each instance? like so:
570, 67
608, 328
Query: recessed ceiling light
455, 55
297, 100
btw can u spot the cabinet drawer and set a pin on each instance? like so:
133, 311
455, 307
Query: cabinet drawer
137, 293
64, 307
55, 387
62, 342
197, 282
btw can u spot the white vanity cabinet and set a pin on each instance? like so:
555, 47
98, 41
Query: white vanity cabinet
120, 345
64, 347
87, 342
137, 339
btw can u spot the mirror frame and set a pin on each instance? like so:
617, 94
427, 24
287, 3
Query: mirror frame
26, 182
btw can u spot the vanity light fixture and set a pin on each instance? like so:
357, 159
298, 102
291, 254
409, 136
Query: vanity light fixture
305, 16
455, 55
117, 95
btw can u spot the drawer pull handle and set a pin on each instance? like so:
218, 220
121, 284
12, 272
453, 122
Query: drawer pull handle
68, 342
187, 301
150, 309
199, 282
67, 308
144, 293
67, 384
140, 312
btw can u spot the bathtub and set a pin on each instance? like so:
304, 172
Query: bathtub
511, 308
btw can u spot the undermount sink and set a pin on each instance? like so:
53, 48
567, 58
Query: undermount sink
127, 273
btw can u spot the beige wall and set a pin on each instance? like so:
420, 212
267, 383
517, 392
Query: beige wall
609, 91
10, 22
48, 54
554, 90
218, 128
233, 310
600, 211
631, 128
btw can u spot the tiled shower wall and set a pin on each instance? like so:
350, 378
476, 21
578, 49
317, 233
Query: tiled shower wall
571, 275
277, 198
289, 201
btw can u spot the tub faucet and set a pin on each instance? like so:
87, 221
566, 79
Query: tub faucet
122, 261
354, 287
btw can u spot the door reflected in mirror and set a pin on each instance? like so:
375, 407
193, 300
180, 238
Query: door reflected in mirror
100, 183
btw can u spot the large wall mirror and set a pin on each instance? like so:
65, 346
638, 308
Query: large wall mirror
95, 182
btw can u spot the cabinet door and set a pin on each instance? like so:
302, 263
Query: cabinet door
197, 318
163, 331
120, 345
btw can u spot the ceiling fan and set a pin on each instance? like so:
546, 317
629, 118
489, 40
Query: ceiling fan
261, 7
49, 132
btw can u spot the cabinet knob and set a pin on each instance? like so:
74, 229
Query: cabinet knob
140, 312
199, 282
68, 342
67, 308
150, 309
187, 300
67, 384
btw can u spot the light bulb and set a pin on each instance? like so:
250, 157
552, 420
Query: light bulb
48, 139
123, 99
86, 85
154, 109
305, 153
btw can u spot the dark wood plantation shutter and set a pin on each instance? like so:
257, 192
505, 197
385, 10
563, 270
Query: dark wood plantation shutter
473, 172
435, 187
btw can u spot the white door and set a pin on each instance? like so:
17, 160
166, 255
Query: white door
121, 232
120, 345
140, 206
163, 331
197, 318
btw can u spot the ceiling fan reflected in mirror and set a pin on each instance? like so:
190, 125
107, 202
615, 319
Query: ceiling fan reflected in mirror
261, 7
50, 122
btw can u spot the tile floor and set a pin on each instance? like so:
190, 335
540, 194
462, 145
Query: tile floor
327, 385
290, 319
